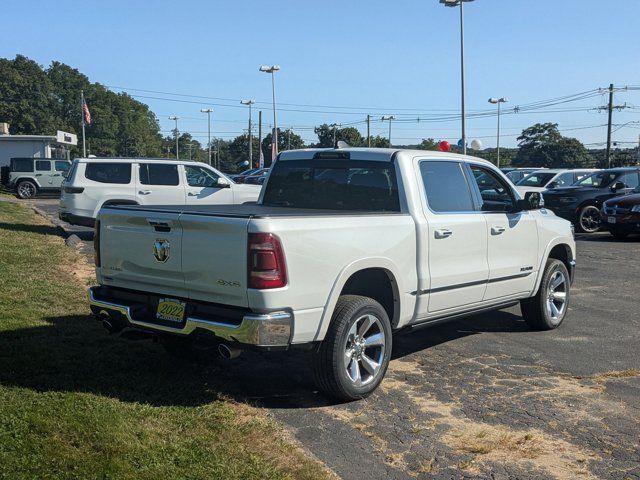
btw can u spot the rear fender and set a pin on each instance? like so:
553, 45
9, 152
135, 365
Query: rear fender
119, 200
400, 301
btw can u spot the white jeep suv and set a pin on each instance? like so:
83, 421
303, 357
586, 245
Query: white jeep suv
96, 182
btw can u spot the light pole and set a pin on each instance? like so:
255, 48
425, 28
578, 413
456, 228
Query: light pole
289, 138
390, 118
498, 101
176, 133
249, 103
460, 3
274, 137
334, 126
208, 112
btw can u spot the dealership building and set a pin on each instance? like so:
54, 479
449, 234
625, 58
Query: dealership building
34, 146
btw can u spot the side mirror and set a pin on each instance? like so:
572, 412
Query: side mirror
618, 186
223, 183
532, 201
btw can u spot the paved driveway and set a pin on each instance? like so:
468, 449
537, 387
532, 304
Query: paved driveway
482, 397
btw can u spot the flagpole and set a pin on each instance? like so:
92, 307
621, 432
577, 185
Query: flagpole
84, 143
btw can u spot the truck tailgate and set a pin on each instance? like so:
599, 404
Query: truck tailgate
142, 250
214, 260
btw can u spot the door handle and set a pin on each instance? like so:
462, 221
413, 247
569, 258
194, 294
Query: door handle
497, 230
443, 233
38, 174
144, 192
192, 194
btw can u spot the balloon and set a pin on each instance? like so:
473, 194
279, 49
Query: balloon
476, 144
460, 144
245, 163
444, 146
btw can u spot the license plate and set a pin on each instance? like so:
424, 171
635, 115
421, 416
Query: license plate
611, 219
170, 310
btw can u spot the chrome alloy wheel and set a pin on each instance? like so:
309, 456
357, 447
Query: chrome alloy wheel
364, 349
26, 190
556, 303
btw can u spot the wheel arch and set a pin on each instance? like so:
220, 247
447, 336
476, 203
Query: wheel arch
560, 249
375, 278
28, 179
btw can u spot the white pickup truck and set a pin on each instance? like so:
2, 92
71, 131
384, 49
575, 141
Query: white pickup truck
344, 247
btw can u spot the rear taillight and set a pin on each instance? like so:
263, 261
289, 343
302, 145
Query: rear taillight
73, 189
96, 243
265, 262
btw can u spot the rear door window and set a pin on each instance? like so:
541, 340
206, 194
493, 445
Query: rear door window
446, 187
109, 172
43, 165
159, 174
22, 165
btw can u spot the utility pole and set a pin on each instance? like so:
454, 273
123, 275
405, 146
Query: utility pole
289, 139
368, 130
249, 103
391, 118
610, 107
208, 112
176, 133
190, 145
610, 111
261, 156
334, 126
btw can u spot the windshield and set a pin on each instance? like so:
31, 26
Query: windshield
536, 179
333, 185
598, 179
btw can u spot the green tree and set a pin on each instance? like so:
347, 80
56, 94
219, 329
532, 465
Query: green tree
542, 145
283, 142
428, 144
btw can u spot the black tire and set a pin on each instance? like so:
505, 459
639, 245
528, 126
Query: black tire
618, 234
329, 362
537, 312
589, 219
26, 189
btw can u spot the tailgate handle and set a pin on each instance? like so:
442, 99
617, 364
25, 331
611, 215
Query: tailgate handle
159, 225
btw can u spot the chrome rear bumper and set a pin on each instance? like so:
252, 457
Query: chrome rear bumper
261, 330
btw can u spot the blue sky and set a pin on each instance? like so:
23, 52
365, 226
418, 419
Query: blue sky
378, 57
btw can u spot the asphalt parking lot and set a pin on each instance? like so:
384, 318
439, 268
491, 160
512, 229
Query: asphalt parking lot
479, 398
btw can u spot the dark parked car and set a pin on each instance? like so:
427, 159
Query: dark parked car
621, 215
581, 202
517, 174
239, 178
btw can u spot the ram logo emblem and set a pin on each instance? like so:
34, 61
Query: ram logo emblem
161, 250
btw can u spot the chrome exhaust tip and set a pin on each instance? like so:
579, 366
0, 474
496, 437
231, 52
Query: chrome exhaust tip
110, 324
227, 352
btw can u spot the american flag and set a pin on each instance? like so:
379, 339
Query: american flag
86, 112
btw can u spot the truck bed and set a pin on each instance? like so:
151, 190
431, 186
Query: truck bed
248, 210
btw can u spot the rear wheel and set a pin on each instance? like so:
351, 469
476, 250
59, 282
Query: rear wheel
26, 189
355, 353
547, 309
589, 219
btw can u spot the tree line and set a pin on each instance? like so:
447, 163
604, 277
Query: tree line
38, 101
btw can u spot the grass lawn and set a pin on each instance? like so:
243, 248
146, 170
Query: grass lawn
78, 403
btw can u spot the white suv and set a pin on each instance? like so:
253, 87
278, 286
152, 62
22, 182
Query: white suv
95, 182
541, 180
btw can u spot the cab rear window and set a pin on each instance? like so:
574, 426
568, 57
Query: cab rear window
333, 185
109, 172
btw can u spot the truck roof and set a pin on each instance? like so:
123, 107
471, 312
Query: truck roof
371, 154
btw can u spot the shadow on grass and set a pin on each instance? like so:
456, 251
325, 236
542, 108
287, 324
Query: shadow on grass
74, 353
29, 228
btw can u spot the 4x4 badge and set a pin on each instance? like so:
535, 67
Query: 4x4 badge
161, 250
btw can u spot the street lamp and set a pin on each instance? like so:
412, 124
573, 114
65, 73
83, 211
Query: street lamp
176, 133
390, 118
334, 126
460, 3
208, 112
274, 137
498, 101
249, 103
